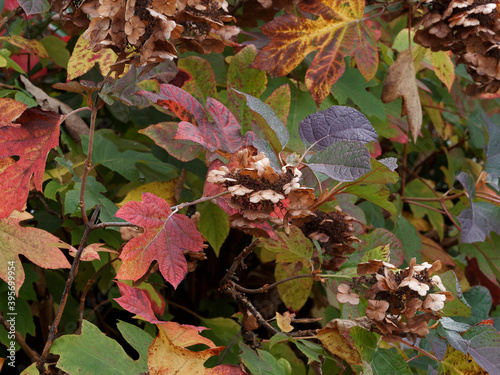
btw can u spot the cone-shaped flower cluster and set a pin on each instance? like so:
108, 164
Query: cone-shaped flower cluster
471, 30
260, 194
145, 31
400, 302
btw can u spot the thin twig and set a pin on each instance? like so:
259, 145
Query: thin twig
87, 288
424, 352
72, 274
33, 355
410, 201
87, 166
112, 224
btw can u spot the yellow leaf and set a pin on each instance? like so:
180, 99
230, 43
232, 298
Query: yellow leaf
443, 67
401, 82
34, 47
83, 59
164, 190
284, 321
457, 363
336, 344
164, 357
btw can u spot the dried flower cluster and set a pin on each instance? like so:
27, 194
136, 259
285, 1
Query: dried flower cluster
260, 194
471, 30
400, 302
145, 31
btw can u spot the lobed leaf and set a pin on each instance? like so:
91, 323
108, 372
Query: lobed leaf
337, 32
38, 134
39, 246
92, 352
165, 238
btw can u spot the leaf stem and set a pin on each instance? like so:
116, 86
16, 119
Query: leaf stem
64, 117
424, 352
69, 282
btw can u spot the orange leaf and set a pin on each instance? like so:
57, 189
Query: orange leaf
336, 33
10, 110
37, 245
31, 142
167, 356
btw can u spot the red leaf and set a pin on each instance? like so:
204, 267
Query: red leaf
165, 238
223, 134
38, 134
176, 99
136, 301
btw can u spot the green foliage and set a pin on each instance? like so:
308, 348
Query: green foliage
255, 256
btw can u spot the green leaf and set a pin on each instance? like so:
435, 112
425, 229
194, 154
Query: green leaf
479, 298
279, 101
294, 247
272, 127
408, 235
222, 331
443, 67
241, 77
93, 196
377, 238
262, 362
280, 336
213, 224
352, 85
201, 82
138, 338
377, 194
56, 48
311, 350
486, 254
458, 306
106, 153
6, 61
94, 353
293, 293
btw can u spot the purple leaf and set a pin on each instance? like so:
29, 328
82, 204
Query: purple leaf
31, 7
343, 161
484, 347
336, 124
480, 218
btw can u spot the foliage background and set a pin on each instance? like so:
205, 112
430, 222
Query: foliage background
444, 205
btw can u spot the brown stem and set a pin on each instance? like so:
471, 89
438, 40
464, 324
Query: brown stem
87, 288
72, 274
87, 166
265, 288
424, 352
438, 199
20, 340
112, 224
410, 201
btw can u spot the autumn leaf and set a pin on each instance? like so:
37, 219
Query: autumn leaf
34, 47
38, 134
337, 32
136, 301
83, 59
10, 110
165, 238
168, 355
39, 246
401, 82
223, 134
